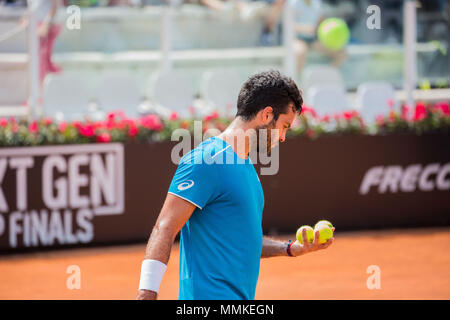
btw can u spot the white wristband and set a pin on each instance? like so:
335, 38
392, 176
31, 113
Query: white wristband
152, 272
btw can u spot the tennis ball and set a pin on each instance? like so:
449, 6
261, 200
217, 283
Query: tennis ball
333, 33
309, 234
325, 232
326, 222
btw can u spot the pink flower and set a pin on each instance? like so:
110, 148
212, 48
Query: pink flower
380, 120
104, 137
349, 114
151, 122
173, 116
325, 118
33, 127
98, 124
336, 116
62, 126
390, 103
405, 112
86, 130
3, 122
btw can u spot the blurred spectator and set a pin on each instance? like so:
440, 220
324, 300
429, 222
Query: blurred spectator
104, 3
308, 16
271, 22
121, 3
48, 30
17, 3
249, 9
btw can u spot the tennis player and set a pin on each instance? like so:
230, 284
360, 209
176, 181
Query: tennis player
216, 199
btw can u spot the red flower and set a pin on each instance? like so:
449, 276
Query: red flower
420, 113
77, 124
47, 121
33, 127
104, 137
98, 124
212, 116
111, 116
306, 109
444, 107
3, 122
173, 116
132, 131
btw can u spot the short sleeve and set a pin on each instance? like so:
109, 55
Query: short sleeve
194, 182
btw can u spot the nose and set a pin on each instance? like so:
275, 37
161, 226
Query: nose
283, 137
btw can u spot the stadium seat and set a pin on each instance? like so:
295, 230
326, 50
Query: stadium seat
328, 99
119, 91
315, 75
13, 87
221, 88
375, 98
65, 97
172, 90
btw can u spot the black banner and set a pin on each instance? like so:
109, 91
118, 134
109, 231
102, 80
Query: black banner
80, 195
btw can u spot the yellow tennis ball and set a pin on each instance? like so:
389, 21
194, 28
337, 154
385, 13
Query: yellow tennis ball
309, 234
326, 222
325, 232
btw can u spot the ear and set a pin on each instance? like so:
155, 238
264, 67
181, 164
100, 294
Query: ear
267, 114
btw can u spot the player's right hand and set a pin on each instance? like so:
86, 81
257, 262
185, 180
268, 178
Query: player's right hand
146, 295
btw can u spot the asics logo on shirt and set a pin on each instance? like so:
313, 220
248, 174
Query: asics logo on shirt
185, 185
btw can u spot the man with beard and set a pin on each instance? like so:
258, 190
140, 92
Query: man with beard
216, 199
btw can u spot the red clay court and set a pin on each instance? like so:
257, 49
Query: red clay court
414, 264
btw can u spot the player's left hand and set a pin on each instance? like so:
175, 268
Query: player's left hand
297, 249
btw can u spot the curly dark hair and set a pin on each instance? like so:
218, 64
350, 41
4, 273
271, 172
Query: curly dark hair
268, 88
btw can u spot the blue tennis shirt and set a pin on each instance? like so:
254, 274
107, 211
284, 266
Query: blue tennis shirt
221, 243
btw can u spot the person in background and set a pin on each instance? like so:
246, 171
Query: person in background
308, 16
48, 31
270, 30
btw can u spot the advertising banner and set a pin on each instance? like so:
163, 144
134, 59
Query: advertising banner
80, 195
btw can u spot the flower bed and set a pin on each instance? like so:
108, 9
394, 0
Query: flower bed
423, 118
